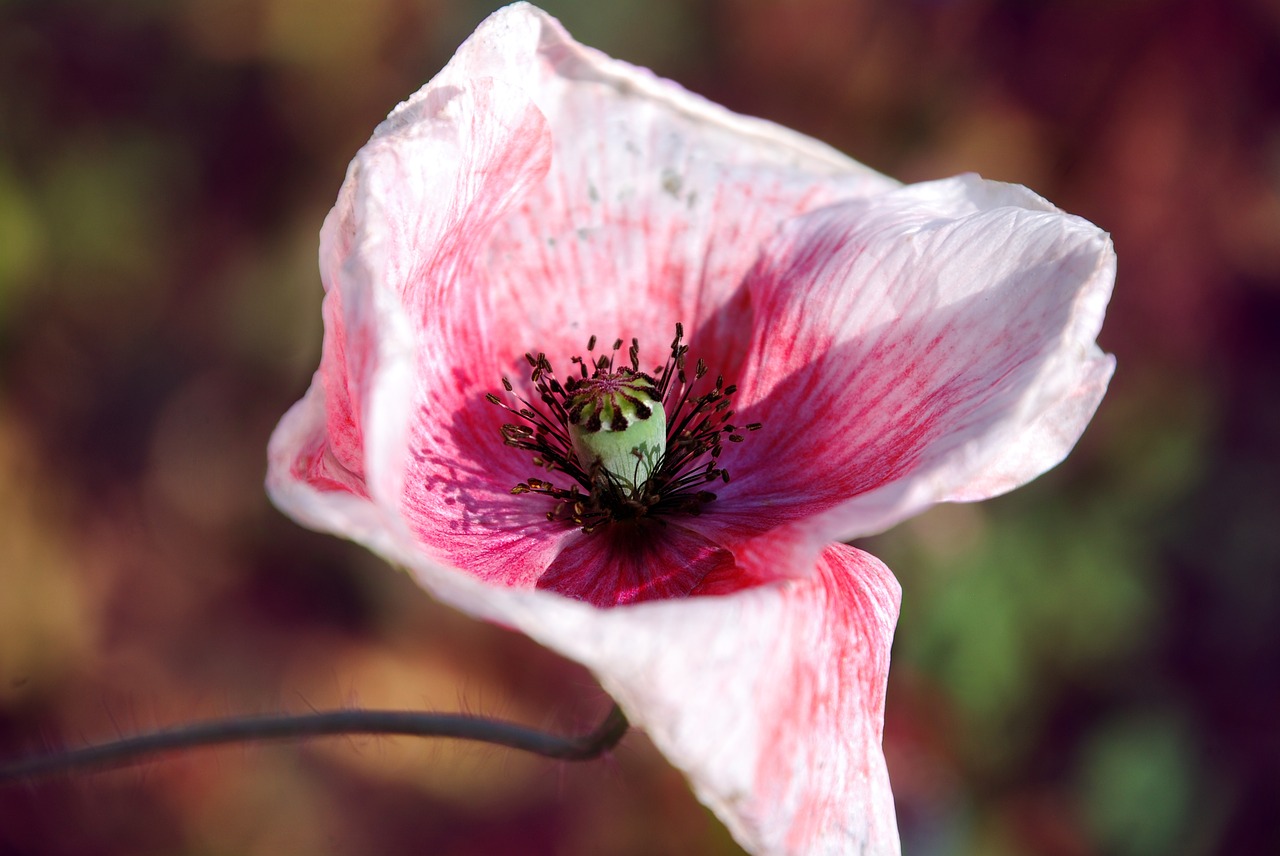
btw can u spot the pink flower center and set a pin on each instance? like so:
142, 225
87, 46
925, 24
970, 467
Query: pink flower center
668, 476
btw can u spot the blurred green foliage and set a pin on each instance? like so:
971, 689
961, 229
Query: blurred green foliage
1145, 793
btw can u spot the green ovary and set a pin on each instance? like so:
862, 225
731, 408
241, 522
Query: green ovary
631, 454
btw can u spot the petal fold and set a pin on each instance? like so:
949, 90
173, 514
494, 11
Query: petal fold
934, 344
771, 700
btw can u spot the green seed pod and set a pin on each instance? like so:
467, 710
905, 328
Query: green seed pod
617, 419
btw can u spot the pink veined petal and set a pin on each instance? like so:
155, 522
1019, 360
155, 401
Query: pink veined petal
656, 205
934, 345
525, 47
647, 560
298, 483
381, 248
332, 455
652, 208
771, 700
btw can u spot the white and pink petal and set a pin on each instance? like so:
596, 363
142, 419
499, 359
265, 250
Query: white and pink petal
533, 194
654, 206
934, 344
770, 698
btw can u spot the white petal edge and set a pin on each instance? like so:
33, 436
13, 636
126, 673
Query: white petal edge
523, 46
704, 678
1038, 432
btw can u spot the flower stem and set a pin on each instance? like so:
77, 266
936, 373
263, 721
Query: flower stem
328, 723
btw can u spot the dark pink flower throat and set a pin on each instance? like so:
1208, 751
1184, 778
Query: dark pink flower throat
635, 444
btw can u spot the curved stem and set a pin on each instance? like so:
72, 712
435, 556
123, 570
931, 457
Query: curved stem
132, 750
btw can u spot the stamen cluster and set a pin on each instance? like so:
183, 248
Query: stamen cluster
677, 483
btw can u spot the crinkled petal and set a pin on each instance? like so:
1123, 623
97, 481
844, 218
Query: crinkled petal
600, 200
935, 344
656, 204
770, 699
301, 480
379, 245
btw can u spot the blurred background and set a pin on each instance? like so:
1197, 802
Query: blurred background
1090, 665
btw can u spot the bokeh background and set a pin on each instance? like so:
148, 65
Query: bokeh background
1090, 665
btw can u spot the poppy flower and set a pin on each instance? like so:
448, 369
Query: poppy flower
609, 364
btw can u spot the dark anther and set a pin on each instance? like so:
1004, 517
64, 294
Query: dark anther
594, 497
